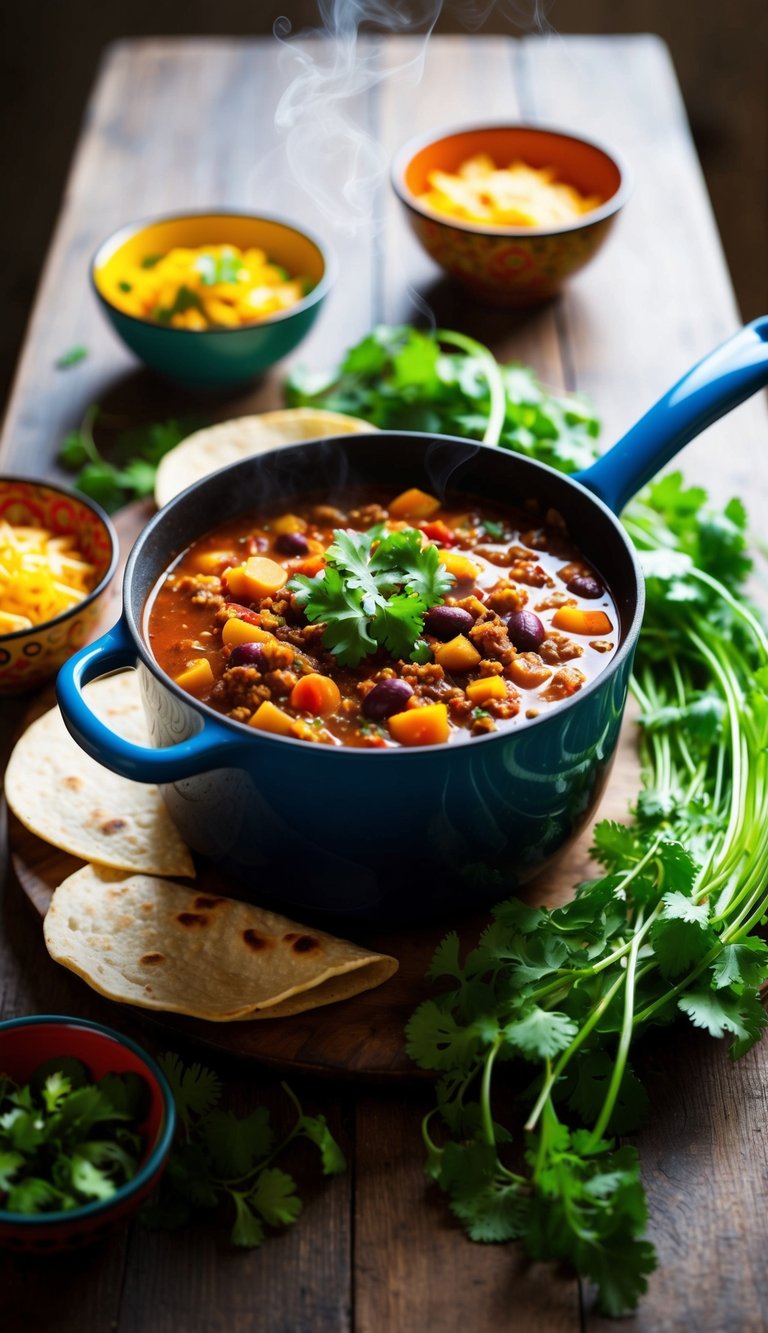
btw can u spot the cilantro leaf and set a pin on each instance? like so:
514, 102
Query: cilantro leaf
195, 1090
274, 1197
248, 1230
541, 1034
373, 592
315, 1128
71, 357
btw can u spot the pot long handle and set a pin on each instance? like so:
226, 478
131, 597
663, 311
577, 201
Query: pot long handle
729, 374
212, 747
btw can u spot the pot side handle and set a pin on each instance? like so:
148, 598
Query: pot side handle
723, 379
212, 747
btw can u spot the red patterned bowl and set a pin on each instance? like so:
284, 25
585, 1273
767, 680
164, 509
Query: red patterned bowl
511, 266
30, 656
25, 1043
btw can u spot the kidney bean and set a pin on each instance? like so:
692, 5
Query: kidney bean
445, 622
292, 543
584, 585
388, 697
247, 654
525, 630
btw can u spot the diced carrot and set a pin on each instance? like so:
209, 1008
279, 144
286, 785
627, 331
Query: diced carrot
457, 654
269, 718
316, 694
309, 565
439, 532
463, 569
574, 620
258, 577
413, 503
488, 687
197, 677
236, 631
420, 726
287, 523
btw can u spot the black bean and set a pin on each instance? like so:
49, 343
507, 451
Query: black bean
525, 630
248, 654
445, 622
292, 543
388, 697
584, 585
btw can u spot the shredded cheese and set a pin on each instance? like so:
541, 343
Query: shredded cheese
514, 196
41, 575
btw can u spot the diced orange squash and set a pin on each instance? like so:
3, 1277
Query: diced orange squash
198, 676
420, 726
316, 694
258, 577
462, 568
309, 565
288, 523
270, 718
457, 654
413, 503
574, 620
489, 687
236, 631
212, 562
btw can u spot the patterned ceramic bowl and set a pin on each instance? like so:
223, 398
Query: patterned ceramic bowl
213, 358
30, 656
511, 266
25, 1044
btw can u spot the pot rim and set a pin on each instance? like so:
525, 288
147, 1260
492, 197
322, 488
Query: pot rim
241, 730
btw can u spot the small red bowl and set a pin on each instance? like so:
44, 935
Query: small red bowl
25, 1043
28, 657
505, 265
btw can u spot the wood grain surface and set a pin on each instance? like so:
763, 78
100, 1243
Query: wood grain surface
177, 123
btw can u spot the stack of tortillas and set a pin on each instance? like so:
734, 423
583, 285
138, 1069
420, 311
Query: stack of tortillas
145, 940
228, 442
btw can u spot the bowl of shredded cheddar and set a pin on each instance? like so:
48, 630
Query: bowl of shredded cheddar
509, 211
211, 300
58, 553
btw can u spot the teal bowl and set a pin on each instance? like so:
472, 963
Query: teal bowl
212, 358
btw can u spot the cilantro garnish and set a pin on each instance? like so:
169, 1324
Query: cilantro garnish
66, 1141
213, 269
71, 357
373, 593
136, 452
185, 299
223, 1158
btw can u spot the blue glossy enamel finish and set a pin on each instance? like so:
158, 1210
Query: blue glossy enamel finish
404, 833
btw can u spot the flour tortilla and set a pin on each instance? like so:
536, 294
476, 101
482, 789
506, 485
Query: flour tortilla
159, 945
64, 797
216, 446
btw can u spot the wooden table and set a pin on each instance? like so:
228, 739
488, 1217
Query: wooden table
188, 123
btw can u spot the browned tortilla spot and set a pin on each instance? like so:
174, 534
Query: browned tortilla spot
73, 783
152, 958
202, 901
114, 825
192, 919
255, 941
305, 943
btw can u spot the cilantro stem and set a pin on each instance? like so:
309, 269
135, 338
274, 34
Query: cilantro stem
497, 392
485, 1095
620, 1064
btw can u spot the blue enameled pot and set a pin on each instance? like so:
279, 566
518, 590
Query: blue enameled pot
412, 832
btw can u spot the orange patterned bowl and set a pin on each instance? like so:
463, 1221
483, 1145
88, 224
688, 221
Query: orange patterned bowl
506, 265
30, 656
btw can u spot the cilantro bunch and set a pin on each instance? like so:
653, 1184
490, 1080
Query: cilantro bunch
373, 593
66, 1141
134, 453
401, 378
222, 1158
667, 930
